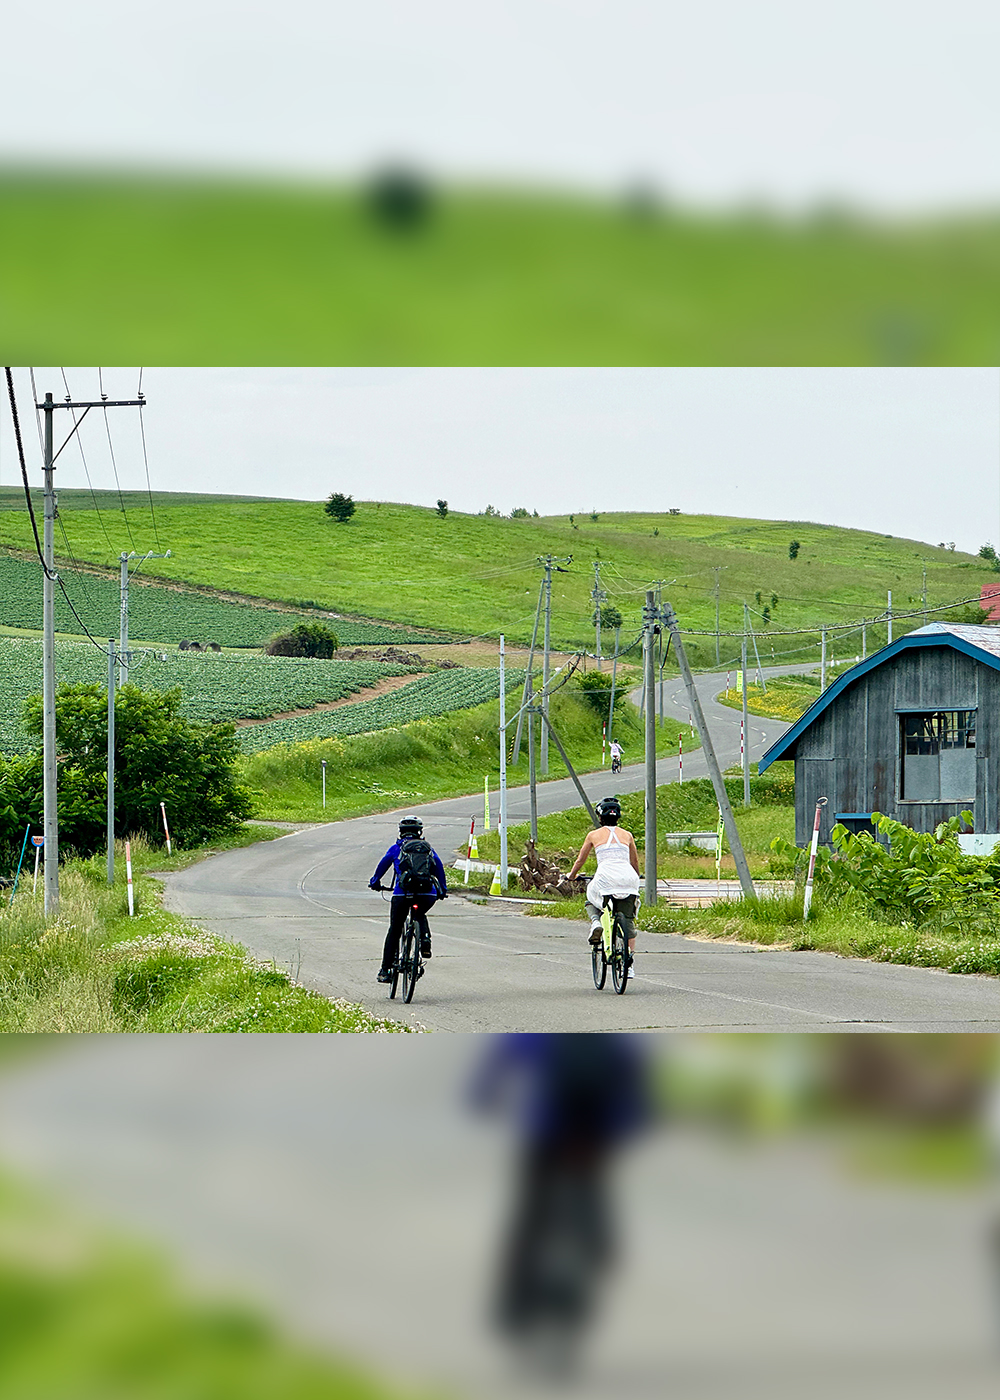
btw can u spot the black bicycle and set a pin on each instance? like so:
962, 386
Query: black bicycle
616, 764
612, 949
409, 965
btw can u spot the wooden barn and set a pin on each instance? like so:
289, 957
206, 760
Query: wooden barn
912, 732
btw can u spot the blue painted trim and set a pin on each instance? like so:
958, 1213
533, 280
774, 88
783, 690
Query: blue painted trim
842, 816
878, 658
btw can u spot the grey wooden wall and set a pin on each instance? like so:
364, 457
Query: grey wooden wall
851, 753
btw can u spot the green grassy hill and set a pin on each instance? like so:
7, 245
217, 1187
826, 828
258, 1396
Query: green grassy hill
215, 272
475, 574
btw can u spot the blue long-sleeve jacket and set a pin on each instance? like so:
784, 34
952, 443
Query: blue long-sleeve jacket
391, 857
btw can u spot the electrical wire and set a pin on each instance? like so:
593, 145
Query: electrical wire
114, 464
145, 458
86, 469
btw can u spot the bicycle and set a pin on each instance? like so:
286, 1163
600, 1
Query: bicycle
612, 949
616, 764
409, 965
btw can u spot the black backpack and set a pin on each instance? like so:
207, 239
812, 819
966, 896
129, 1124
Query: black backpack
416, 868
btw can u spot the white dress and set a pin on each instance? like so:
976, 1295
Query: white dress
615, 874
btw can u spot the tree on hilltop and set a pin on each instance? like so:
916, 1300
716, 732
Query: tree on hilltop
341, 507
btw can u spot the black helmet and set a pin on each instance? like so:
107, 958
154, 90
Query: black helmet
410, 827
609, 811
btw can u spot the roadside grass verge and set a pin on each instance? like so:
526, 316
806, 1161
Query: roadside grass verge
445, 756
97, 970
679, 807
90, 1314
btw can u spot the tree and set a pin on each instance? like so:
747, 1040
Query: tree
595, 687
520, 513
399, 199
611, 618
308, 639
159, 757
793, 549
442, 509
341, 507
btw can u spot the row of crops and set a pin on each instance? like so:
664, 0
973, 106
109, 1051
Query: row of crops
213, 687
164, 615
436, 694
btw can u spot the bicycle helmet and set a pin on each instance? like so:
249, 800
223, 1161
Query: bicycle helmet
609, 811
410, 827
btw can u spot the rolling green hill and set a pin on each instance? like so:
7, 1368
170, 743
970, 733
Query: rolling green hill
477, 574
125, 270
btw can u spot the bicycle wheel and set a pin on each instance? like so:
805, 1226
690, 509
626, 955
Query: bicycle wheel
409, 958
600, 964
619, 957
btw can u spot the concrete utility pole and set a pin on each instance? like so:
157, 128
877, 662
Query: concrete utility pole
717, 570
614, 681
650, 616
745, 757
50, 787
721, 795
548, 563
864, 638
599, 596
822, 660
925, 595
528, 679
889, 614
503, 773
111, 760
50, 781
123, 639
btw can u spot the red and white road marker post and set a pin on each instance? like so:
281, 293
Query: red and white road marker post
743, 757
128, 878
166, 828
820, 804
472, 847
604, 742
680, 758
38, 842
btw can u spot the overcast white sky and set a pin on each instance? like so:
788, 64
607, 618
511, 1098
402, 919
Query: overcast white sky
909, 452
889, 103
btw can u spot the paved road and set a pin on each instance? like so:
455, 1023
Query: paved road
302, 900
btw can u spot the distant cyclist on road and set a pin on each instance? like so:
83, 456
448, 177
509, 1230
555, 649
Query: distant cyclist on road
617, 871
616, 756
419, 879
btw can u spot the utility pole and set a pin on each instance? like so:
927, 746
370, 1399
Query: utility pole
649, 619
599, 596
548, 563
864, 638
503, 773
50, 781
111, 760
123, 653
925, 595
528, 679
532, 794
614, 680
721, 795
745, 757
50, 786
717, 570
822, 660
889, 614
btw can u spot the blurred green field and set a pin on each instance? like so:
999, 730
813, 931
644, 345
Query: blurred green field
477, 574
187, 271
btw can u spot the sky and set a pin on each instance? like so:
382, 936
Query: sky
909, 452
888, 104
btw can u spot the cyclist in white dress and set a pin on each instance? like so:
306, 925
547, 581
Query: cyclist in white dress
617, 871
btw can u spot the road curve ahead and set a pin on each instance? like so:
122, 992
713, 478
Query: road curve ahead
303, 901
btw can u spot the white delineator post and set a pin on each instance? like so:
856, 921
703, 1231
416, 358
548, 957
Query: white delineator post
502, 823
486, 801
820, 804
166, 829
37, 842
604, 743
128, 877
323, 764
468, 859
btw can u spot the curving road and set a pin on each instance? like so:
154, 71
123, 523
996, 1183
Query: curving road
303, 901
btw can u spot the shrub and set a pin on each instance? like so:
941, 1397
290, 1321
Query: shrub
595, 687
610, 617
399, 199
341, 507
442, 508
519, 513
308, 639
793, 549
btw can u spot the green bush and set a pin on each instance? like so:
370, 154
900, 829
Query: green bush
595, 688
308, 639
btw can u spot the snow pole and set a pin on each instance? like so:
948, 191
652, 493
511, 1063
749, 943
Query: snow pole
38, 842
323, 765
820, 804
718, 853
604, 743
27, 833
167, 829
128, 877
743, 756
472, 847
680, 757
486, 801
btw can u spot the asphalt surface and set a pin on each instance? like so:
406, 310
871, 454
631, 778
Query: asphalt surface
303, 901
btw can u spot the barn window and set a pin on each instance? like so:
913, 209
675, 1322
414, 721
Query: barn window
939, 756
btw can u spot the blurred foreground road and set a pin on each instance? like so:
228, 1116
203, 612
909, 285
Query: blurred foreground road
344, 1182
303, 901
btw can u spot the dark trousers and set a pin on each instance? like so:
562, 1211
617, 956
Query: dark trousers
399, 907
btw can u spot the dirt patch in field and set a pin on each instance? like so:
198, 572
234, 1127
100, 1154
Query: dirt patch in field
368, 693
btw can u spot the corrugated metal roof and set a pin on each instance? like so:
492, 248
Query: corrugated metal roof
981, 643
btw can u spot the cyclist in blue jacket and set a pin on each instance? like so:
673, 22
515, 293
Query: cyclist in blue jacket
410, 829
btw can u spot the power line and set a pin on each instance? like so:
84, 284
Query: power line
83, 458
145, 458
114, 464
